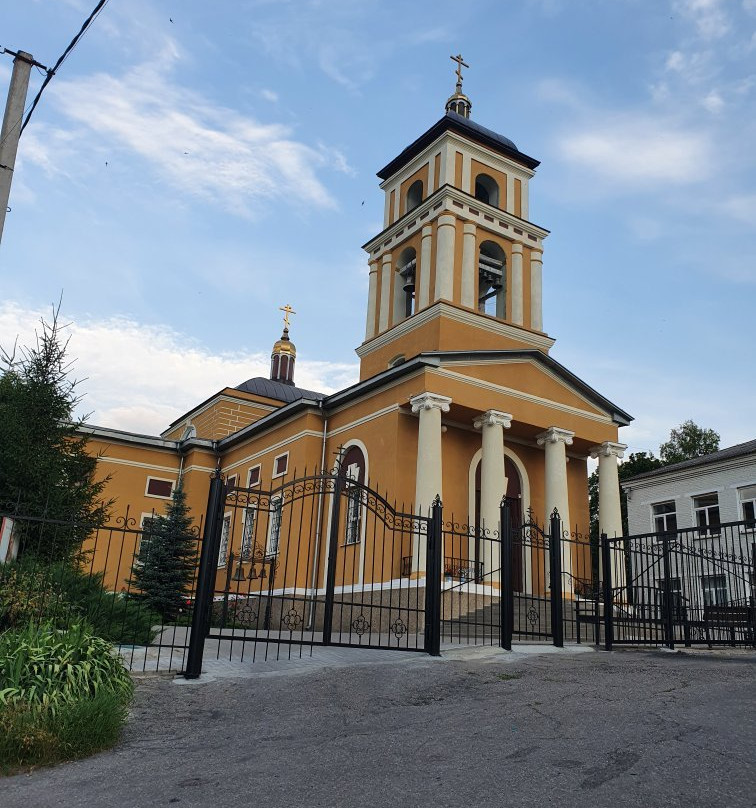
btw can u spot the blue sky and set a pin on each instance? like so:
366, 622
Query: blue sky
183, 179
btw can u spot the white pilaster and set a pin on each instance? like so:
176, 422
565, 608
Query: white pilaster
448, 165
555, 440
493, 485
428, 479
372, 300
445, 238
517, 304
510, 194
397, 201
524, 202
610, 510
432, 179
424, 270
536, 293
469, 267
383, 314
466, 170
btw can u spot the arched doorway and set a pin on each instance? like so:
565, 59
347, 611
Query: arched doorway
514, 493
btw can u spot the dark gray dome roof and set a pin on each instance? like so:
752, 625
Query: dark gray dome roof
277, 390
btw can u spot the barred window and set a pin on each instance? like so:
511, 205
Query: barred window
714, 590
248, 534
747, 497
225, 536
274, 528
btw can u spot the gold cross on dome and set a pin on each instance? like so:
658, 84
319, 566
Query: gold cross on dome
460, 64
287, 309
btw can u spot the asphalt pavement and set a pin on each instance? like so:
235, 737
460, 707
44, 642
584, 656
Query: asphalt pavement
477, 727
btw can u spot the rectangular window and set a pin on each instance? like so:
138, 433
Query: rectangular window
248, 536
665, 517
143, 548
280, 465
225, 536
706, 510
157, 487
274, 529
231, 481
747, 498
714, 590
253, 478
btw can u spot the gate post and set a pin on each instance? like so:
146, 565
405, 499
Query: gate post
203, 600
555, 553
506, 598
333, 549
433, 580
669, 629
606, 585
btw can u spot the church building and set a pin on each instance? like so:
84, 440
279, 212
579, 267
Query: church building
457, 396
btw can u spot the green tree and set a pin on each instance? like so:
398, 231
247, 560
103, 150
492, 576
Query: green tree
45, 467
688, 441
164, 567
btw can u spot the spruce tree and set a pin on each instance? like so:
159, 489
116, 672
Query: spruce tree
164, 567
46, 470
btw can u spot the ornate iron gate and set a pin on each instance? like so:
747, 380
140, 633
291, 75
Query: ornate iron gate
320, 560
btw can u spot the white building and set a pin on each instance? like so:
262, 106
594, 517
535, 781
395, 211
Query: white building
693, 505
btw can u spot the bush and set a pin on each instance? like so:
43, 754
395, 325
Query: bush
65, 695
34, 592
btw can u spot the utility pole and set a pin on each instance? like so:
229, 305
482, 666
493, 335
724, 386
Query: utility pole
11, 131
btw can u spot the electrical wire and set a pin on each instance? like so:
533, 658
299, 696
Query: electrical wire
66, 53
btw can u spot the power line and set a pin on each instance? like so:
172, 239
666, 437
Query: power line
74, 42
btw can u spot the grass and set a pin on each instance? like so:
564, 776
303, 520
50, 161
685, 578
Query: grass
65, 695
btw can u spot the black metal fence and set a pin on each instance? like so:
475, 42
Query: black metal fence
693, 586
66, 572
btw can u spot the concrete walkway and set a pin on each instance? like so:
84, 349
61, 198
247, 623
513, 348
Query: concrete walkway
477, 727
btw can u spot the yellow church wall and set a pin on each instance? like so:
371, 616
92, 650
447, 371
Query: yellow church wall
527, 377
437, 171
458, 161
518, 197
420, 174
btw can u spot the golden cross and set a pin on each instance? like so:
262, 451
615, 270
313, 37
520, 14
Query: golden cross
288, 310
460, 64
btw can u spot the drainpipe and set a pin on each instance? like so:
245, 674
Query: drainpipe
316, 556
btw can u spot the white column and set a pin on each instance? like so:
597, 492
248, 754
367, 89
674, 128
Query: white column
517, 305
372, 300
610, 510
428, 476
493, 485
536, 293
469, 267
555, 440
383, 313
524, 202
424, 270
445, 257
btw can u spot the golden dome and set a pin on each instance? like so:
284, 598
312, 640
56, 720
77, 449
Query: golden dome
285, 345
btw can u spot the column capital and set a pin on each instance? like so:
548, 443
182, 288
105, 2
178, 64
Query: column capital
517, 247
430, 401
493, 418
555, 435
607, 449
469, 228
427, 231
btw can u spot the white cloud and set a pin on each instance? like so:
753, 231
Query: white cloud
269, 95
633, 150
709, 16
713, 102
142, 377
743, 208
197, 147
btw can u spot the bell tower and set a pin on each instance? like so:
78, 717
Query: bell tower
458, 264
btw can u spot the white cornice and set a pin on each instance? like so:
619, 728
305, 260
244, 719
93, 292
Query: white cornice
664, 476
530, 338
449, 199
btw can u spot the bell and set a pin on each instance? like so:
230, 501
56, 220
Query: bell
263, 574
409, 284
239, 574
252, 575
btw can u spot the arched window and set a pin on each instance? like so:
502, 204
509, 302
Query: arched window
353, 469
487, 190
492, 279
414, 195
404, 296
